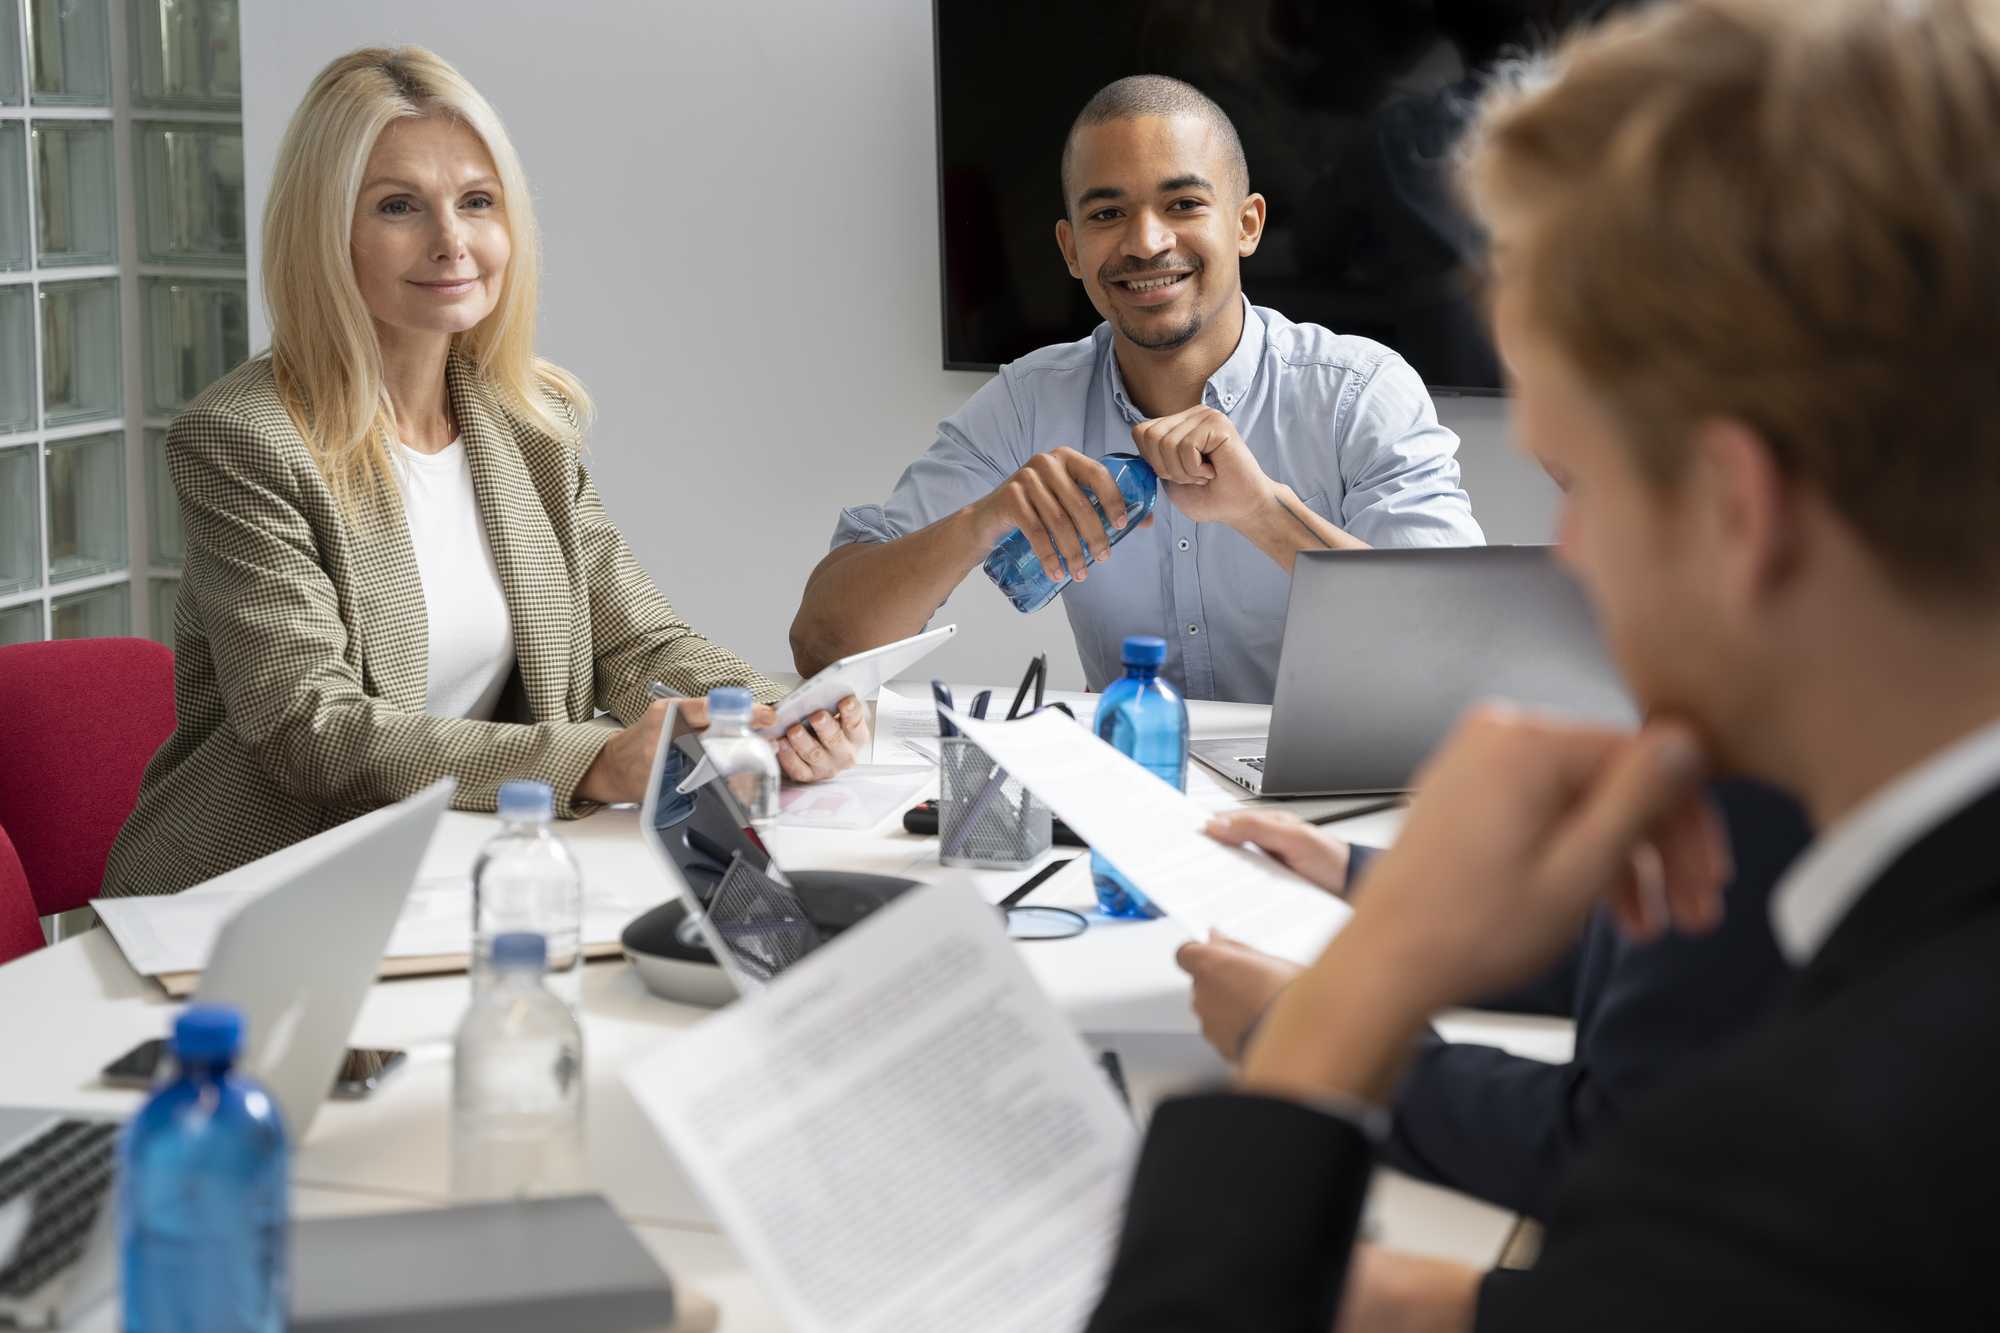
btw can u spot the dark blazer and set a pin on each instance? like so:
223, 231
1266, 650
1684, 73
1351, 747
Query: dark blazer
1833, 1170
1504, 1127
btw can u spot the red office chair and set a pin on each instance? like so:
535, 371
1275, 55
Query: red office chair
19, 931
79, 718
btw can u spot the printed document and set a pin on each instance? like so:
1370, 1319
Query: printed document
860, 798
902, 1133
906, 730
1153, 834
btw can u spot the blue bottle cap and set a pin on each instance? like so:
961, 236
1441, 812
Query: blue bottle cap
206, 1033
1145, 650
527, 798
520, 948
730, 699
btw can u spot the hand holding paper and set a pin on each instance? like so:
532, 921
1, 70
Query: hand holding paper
1154, 835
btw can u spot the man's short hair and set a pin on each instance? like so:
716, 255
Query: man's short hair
1786, 214
1140, 95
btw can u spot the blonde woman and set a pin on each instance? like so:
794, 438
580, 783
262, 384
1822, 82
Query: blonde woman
397, 567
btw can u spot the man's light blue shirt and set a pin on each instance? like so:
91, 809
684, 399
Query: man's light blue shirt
1342, 420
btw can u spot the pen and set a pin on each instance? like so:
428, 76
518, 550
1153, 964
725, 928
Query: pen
659, 691
1037, 669
941, 695
979, 702
1035, 881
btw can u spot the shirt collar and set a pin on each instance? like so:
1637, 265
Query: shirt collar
1227, 387
1820, 889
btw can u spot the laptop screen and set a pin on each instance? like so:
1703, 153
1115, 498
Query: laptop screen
746, 909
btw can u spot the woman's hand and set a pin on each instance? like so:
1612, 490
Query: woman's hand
812, 751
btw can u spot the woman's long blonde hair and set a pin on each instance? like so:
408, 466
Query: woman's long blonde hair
324, 353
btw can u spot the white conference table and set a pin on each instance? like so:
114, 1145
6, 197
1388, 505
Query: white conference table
77, 1005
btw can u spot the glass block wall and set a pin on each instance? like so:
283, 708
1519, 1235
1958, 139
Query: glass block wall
122, 295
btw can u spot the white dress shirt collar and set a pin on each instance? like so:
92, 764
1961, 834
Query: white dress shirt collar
1826, 881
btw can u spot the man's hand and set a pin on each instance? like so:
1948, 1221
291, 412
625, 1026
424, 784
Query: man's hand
1520, 826
1389, 1292
1048, 500
1210, 474
1233, 985
812, 751
1293, 843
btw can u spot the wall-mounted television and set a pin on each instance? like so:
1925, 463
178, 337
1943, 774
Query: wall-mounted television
1348, 110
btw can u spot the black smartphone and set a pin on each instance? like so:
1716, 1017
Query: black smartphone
361, 1071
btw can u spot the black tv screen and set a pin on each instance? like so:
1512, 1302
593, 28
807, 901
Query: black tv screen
1348, 110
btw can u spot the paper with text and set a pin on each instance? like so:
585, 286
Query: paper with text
860, 798
1153, 834
902, 1133
906, 730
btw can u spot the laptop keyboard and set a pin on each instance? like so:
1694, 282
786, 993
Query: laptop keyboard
66, 1170
1255, 761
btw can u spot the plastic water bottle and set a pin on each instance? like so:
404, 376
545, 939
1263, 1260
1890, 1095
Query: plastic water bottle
741, 757
526, 880
1142, 716
517, 1084
1017, 571
202, 1195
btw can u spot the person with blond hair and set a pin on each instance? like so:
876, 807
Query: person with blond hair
1745, 282
397, 566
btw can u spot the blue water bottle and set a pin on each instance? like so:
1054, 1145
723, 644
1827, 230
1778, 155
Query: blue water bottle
1017, 571
202, 1209
1141, 716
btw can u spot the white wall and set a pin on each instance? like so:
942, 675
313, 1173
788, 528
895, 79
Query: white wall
739, 210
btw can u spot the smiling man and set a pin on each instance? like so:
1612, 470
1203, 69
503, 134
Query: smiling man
1271, 437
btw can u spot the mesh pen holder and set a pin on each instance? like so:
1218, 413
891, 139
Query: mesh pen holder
985, 818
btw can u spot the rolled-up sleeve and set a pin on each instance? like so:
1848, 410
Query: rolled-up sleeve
1399, 466
976, 449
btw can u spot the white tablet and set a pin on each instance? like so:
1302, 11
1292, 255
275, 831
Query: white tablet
860, 675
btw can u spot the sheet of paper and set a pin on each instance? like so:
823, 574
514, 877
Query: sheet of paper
860, 798
162, 935
1153, 834
906, 729
902, 1133
168, 934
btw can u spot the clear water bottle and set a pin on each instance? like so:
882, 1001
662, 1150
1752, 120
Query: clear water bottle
526, 880
740, 756
1017, 571
202, 1208
1142, 716
517, 1084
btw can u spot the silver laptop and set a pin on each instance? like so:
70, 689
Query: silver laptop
298, 961
1384, 649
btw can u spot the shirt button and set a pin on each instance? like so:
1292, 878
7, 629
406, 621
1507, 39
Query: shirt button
1185, 543
1194, 629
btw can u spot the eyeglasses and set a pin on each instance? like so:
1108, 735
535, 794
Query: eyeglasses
1038, 922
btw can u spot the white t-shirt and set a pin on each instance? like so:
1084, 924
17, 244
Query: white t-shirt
472, 639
